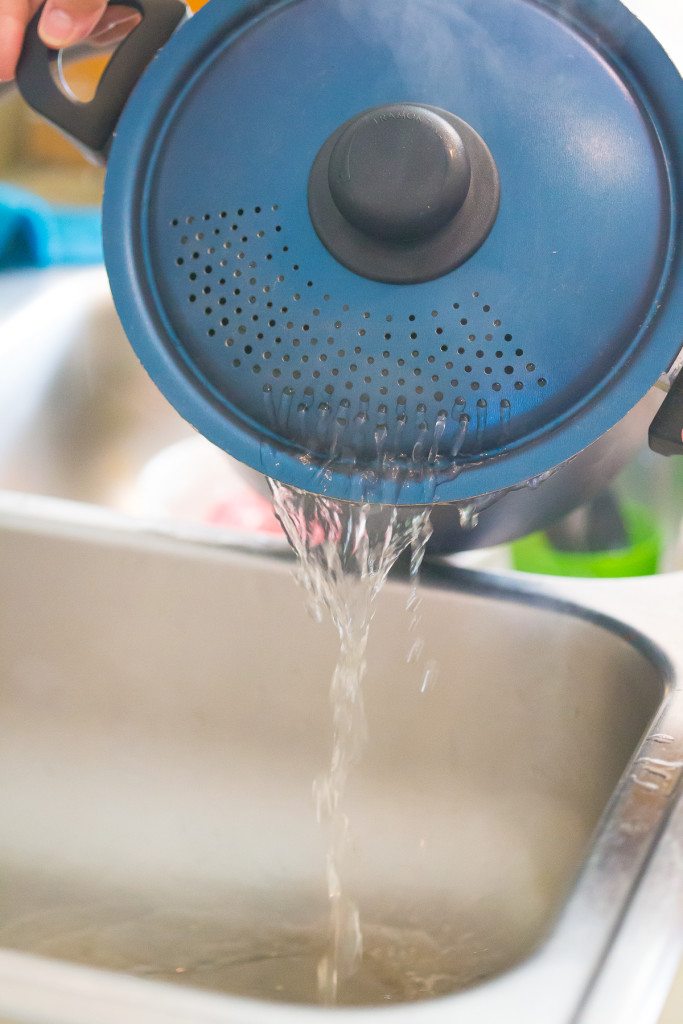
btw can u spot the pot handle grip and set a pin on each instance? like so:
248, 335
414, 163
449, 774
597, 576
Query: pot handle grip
91, 125
666, 430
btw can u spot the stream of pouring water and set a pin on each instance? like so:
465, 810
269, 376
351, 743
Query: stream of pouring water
345, 553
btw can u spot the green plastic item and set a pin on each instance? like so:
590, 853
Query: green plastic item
642, 558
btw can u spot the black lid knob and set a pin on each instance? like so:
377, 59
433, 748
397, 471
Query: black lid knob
400, 173
403, 193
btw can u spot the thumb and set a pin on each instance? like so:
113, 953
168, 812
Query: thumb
64, 22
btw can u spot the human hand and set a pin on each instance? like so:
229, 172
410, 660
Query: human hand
63, 23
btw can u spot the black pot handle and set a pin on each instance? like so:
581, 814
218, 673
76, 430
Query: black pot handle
666, 430
91, 125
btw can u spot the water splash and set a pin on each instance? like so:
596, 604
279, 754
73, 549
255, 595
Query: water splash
345, 552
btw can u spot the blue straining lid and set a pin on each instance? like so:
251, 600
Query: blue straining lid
324, 336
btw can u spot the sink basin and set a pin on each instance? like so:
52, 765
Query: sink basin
163, 713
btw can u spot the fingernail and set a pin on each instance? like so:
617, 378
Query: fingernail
57, 27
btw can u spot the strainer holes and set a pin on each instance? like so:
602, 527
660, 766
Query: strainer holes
474, 385
223, 215
488, 369
248, 350
456, 305
464, 321
444, 348
240, 213
508, 337
256, 368
449, 365
297, 375
435, 378
358, 350
431, 359
439, 330
211, 333
480, 354
189, 220
542, 382
413, 335
461, 351
499, 355
184, 239
509, 370
387, 337
278, 227
180, 261
455, 383
237, 363
497, 323
206, 290
471, 337
519, 386
277, 372
531, 367
497, 387
208, 311
401, 382
487, 309
193, 298
412, 318
175, 222
468, 369
199, 236
488, 337
438, 396
193, 276
225, 322
419, 390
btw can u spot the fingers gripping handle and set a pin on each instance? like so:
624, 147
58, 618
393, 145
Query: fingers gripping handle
91, 125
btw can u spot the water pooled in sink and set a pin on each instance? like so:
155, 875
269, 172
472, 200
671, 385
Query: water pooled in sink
346, 552
268, 949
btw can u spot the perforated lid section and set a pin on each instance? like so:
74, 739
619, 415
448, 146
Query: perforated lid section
285, 358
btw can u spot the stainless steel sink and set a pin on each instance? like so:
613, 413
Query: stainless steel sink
163, 712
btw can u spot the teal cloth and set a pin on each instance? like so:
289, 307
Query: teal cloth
34, 233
